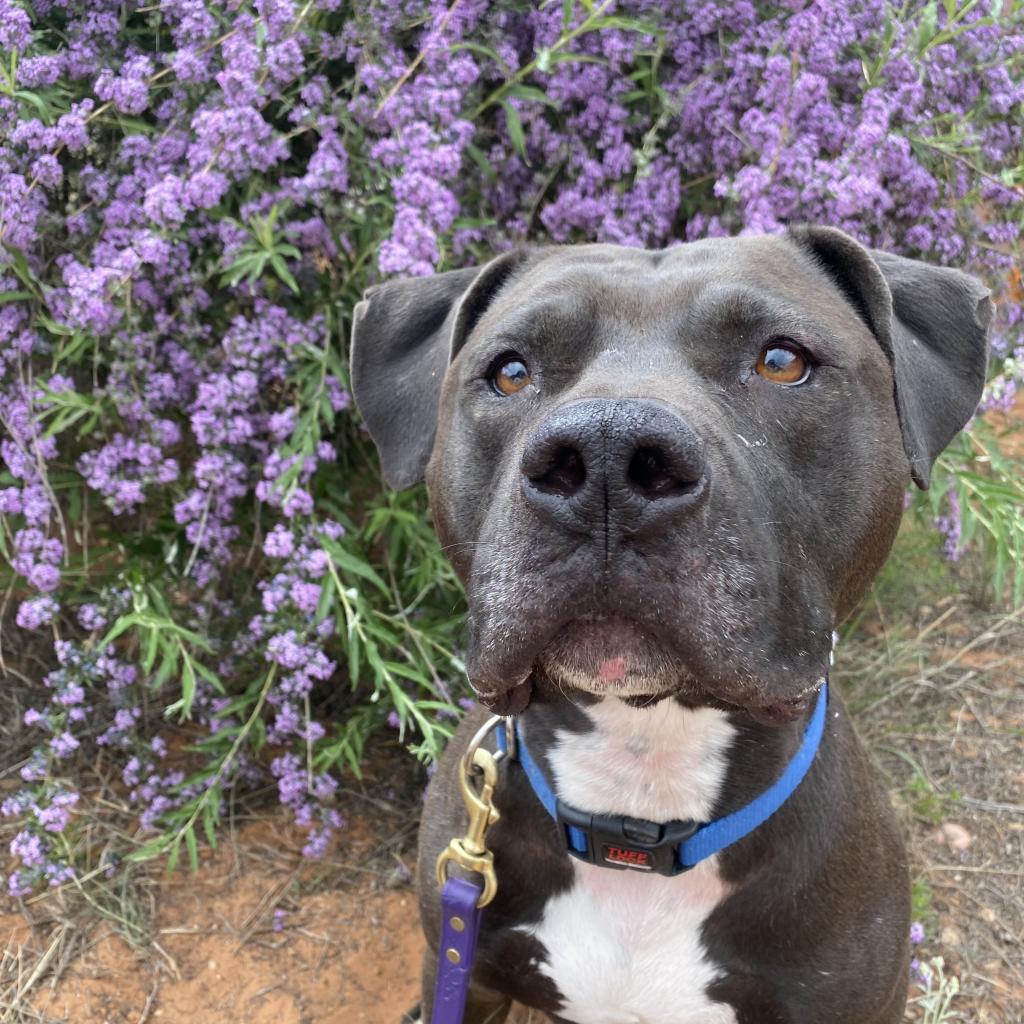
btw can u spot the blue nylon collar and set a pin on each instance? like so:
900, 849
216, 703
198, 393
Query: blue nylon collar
704, 840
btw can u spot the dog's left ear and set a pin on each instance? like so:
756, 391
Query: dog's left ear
404, 335
932, 323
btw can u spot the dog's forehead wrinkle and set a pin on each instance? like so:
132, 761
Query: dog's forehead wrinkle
524, 310
746, 306
619, 277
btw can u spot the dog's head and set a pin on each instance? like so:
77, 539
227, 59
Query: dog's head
668, 472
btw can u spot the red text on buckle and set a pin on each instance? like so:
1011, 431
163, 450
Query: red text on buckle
627, 857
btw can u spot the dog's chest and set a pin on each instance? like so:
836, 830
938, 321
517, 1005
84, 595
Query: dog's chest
624, 947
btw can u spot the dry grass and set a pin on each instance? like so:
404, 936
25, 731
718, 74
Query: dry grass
940, 705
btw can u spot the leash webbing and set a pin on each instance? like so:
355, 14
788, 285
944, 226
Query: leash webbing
462, 902
460, 924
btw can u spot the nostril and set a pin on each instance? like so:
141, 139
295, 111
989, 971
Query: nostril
564, 474
656, 475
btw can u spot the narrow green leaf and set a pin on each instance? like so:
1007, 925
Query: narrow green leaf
478, 48
532, 93
630, 25
188, 685
353, 659
485, 165
152, 647
284, 273
209, 821
351, 564
515, 129
174, 854
193, 848
154, 848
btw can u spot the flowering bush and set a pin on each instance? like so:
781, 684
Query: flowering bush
192, 198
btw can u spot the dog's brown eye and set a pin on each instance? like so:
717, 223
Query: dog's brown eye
783, 364
509, 375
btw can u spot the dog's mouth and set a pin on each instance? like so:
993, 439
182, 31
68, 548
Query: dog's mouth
610, 655
605, 654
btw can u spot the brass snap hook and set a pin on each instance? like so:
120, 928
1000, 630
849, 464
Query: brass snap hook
478, 777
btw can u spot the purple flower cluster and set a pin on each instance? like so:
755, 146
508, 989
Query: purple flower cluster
236, 434
46, 803
306, 796
25, 495
421, 128
293, 640
121, 469
155, 791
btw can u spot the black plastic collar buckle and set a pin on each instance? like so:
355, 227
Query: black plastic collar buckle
629, 843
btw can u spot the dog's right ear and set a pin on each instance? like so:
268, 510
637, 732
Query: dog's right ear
405, 334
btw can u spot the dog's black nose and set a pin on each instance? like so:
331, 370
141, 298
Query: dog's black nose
628, 463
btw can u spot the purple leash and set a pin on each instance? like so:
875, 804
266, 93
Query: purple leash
460, 922
462, 902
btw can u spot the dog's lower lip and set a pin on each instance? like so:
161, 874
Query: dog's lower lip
602, 651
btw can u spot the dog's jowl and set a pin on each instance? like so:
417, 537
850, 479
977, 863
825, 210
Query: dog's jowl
665, 478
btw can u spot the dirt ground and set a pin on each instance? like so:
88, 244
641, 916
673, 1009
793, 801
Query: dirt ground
260, 937
257, 936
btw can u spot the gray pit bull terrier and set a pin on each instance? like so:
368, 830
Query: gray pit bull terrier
665, 478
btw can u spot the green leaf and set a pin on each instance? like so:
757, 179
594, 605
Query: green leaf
284, 273
532, 93
259, 735
193, 848
43, 108
209, 817
247, 263
478, 48
152, 647
562, 57
51, 326
154, 848
353, 659
515, 129
188, 685
351, 564
23, 271
175, 853
209, 675
629, 24
479, 158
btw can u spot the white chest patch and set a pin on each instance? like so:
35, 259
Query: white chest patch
623, 946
